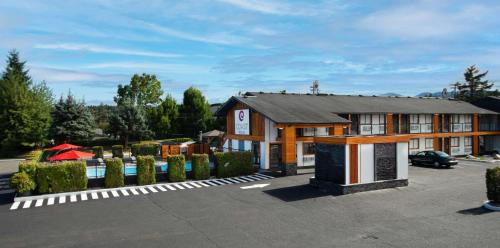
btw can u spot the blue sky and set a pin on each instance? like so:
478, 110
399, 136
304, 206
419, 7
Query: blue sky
227, 46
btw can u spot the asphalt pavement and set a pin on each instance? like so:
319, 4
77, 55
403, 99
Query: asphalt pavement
440, 208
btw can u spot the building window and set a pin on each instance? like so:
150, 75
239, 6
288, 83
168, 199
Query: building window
454, 142
372, 124
414, 144
414, 119
429, 143
468, 141
229, 144
241, 145
308, 148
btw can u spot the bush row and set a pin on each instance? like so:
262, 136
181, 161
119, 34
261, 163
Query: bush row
493, 184
145, 149
178, 140
61, 177
231, 164
200, 166
146, 171
176, 168
113, 176
34, 155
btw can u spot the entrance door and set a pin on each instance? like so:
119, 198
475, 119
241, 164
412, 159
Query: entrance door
256, 152
275, 156
446, 145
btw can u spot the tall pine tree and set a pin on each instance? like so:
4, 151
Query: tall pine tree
24, 107
475, 86
73, 121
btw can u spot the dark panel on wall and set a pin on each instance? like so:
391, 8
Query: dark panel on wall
330, 163
385, 161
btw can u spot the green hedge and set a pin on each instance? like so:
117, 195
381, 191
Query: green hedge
200, 166
34, 155
145, 149
98, 151
117, 151
113, 176
21, 182
493, 184
146, 171
178, 140
176, 168
61, 177
230, 164
29, 167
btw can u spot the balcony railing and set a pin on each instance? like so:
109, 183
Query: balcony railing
421, 128
308, 160
461, 127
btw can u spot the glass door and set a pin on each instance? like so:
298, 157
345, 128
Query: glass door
275, 156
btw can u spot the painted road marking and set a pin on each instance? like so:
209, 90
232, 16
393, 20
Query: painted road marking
27, 204
38, 201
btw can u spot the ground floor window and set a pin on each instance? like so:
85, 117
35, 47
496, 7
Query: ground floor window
241, 145
308, 148
454, 142
414, 144
429, 143
468, 141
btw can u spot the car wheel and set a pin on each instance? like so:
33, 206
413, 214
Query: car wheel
436, 164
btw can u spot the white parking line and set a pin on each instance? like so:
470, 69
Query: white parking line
143, 190
72, 198
152, 189
39, 202
134, 191
178, 186
232, 180
62, 199
195, 184
105, 194
27, 204
15, 205
211, 183
187, 185
94, 195
216, 181
50, 201
169, 187
256, 178
114, 193
83, 196
124, 192
225, 181
203, 184
161, 188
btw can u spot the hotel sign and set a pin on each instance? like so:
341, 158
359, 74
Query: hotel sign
242, 122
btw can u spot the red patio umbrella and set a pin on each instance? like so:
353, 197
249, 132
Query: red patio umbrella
71, 155
64, 146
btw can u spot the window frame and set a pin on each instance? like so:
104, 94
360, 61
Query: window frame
432, 143
412, 142
457, 143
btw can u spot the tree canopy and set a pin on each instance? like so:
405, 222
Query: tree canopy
163, 118
72, 121
128, 121
143, 90
195, 113
24, 107
475, 86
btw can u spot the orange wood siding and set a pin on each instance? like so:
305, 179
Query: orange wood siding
436, 144
337, 129
288, 145
475, 138
389, 124
353, 163
256, 124
435, 123
164, 151
362, 139
175, 150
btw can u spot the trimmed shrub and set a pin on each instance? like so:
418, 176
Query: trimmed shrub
113, 176
34, 155
29, 167
21, 182
98, 151
200, 167
117, 151
61, 177
493, 184
176, 168
230, 164
146, 171
178, 140
145, 149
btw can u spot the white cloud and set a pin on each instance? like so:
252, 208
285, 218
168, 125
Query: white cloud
176, 68
425, 20
215, 38
101, 49
63, 75
275, 8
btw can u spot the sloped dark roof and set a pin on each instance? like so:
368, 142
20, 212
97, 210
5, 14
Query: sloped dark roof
308, 108
492, 103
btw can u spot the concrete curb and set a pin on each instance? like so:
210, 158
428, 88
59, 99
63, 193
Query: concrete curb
487, 205
477, 160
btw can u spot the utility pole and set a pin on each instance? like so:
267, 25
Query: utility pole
315, 87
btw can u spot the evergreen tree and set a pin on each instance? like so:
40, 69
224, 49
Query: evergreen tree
129, 122
195, 113
475, 86
72, 121
164, 117
24, 107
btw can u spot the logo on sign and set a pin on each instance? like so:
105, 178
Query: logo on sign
241, 115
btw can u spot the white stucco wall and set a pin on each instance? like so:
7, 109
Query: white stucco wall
248, 145
263, 155
300, 156
347, 174
366, 163
402, 160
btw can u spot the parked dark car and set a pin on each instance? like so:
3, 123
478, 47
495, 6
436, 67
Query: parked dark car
435, 158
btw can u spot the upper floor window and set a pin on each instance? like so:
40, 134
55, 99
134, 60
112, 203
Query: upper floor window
372, 124
420, 123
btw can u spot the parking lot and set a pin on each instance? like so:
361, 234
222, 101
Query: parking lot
440, 208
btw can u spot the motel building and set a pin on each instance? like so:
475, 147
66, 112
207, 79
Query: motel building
354, 140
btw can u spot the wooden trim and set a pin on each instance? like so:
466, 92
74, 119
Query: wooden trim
283, 125
389, 124
306, 138
353, 163
362, 139
435, 123
245, 137
475, 145
288, 147
436, 144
